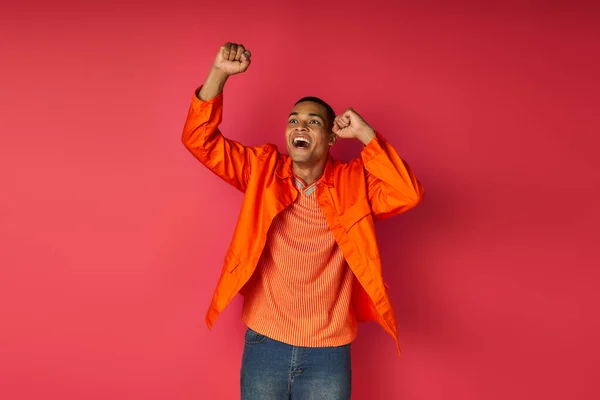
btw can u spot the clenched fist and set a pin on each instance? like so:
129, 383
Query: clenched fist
351, 125
232, 59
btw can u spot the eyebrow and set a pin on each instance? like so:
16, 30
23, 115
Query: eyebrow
310, 114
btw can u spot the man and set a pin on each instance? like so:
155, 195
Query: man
304, 253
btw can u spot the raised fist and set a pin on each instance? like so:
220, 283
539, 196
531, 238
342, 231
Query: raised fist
351, 125
232, 59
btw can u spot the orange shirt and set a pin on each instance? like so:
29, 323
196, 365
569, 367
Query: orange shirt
301, 291
378, 184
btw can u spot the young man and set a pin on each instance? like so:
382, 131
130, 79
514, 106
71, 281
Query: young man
304, 253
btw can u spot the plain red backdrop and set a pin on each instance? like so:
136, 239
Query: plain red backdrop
112, 236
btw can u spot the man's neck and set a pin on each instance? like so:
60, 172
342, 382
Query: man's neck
309, 173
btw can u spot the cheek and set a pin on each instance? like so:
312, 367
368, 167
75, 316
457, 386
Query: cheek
323, 145
323, 140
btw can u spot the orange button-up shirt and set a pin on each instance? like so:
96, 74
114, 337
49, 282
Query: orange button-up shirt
376, 185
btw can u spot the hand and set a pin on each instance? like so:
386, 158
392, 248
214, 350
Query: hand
351, 125
232, 59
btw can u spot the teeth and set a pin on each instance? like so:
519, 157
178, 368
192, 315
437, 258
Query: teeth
301, 139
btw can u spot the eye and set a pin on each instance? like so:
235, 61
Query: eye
314, 121
292, 121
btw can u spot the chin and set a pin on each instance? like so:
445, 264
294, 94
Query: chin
299, 158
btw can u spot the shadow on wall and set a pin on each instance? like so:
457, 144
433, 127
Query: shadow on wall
403, 242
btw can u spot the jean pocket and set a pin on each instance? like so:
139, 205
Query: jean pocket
252, 337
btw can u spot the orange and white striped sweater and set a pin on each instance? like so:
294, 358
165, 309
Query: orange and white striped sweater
301, 291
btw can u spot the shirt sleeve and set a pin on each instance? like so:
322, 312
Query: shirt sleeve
227, 158
391, 184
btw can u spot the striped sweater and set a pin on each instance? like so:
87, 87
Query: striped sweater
301, 291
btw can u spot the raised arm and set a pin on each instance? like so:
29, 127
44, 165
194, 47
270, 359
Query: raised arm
227, 158
391, 185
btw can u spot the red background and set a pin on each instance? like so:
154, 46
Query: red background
112, 236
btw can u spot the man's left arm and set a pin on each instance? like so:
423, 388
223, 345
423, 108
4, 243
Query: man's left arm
391, 184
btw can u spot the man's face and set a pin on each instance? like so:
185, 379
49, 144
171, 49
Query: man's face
308, 133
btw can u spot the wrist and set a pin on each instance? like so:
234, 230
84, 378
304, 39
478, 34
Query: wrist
214, 84
217, 74
366, 135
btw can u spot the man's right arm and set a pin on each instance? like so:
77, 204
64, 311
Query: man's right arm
201, 135
214, 84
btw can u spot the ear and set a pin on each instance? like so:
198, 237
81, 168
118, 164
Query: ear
332, 139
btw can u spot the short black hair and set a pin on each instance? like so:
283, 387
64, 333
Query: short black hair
328, 108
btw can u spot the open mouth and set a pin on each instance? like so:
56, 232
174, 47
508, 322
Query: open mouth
301, 142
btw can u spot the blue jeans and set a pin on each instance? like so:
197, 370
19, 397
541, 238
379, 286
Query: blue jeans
273, 370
